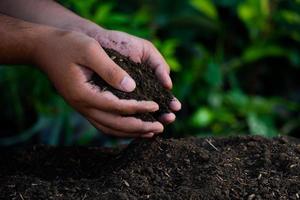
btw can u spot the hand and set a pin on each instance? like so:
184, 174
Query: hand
139, 50
69, 58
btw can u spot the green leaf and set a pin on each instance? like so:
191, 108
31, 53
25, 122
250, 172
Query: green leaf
102, 13
215, 99
290, 16
257, 52
142, 16
202, 117
214, 75
259, 125
207, 7
255, 14
84, 7
251, 10
167, 49
88, 136
173, 63
119, 19
237, 99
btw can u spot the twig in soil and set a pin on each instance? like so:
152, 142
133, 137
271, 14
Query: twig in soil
252, 196
259, 176
126, 183
84, 197
293, 165
211, 144
219, 177
21, 196
166, 173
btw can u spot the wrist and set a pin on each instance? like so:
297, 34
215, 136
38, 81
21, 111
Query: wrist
43, 41
20, 40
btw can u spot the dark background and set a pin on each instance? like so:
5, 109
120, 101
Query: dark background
235, 66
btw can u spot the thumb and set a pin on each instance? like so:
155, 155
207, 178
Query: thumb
113, 74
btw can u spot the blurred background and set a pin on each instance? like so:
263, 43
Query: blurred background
235, 66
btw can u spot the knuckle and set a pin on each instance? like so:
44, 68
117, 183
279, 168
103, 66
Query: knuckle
89, 49
135, 106
119, 108
129, 108
148, 43
111, 75
66, 34
141, 125
126, 107
91, 46
119, 123
125, 124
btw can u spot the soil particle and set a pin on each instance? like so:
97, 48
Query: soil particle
250, 168
148, 87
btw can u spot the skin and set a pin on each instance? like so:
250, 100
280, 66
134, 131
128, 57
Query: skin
68, 49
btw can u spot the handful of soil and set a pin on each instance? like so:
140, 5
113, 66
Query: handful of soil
148, 87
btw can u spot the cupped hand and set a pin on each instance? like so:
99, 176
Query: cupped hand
139, 50
69, 58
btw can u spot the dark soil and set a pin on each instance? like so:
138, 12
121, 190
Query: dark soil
148, 87
207, 169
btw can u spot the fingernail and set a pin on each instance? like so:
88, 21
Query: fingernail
175, 105
170, 84
160, 128
172, 117
128, 84
175, 99
155, 107
148, 135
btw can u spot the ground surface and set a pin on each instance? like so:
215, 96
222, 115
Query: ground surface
235, 168
148, 86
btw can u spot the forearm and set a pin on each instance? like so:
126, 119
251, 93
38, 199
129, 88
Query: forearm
46, 12
18, 40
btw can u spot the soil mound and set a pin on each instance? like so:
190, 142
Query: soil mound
148, 86
205, 169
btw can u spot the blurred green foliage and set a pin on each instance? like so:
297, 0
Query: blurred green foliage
235, 66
